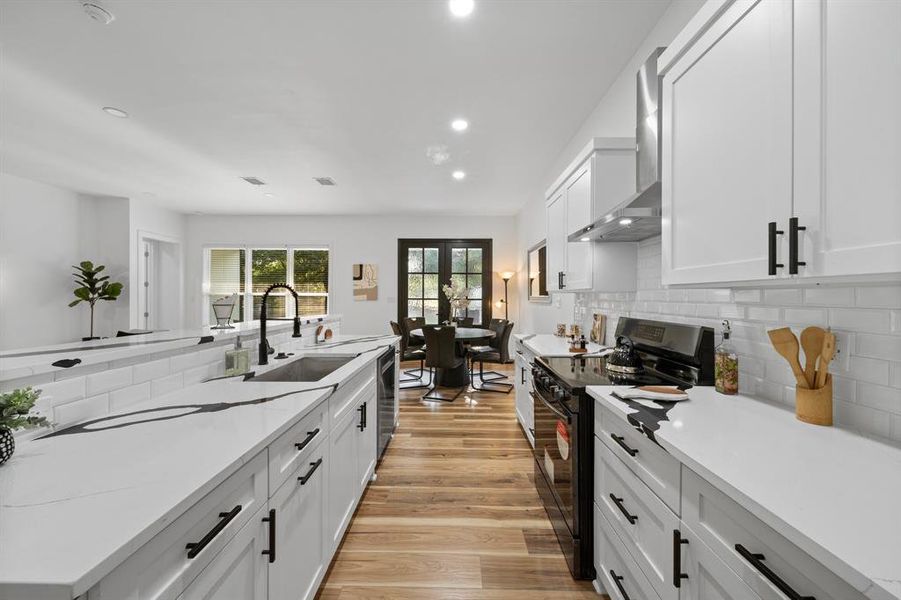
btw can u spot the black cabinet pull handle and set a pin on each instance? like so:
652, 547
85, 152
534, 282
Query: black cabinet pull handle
622, 509
619, 586
522, 375
310, 435
793, 262
562, 279
194, 548
532, 431
678, 575
313, 466
362, 424
772, 232
271, 520
622, 444
756, 561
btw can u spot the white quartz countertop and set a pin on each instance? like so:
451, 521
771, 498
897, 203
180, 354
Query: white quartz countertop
73, 507
545, 344
25, 362
834, 494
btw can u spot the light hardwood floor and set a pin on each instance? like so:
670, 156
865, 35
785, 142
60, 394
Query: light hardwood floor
453, 513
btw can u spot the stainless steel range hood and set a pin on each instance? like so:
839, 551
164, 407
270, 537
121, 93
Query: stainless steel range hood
638, 216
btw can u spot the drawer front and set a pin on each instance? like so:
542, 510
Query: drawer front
347, 397
734, 534
643, 522
653, 465
706, 577
161, 569
617, 571
293, 447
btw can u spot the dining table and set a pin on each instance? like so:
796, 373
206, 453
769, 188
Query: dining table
459, 376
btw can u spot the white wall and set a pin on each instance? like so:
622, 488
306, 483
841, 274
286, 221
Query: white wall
43, 231
363, 239
614, 116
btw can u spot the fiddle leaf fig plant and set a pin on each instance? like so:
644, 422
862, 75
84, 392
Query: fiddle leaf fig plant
93, 287
15, 410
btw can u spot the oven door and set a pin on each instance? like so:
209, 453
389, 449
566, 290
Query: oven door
556, 453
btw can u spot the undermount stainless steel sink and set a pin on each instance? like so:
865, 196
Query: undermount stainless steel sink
306, 368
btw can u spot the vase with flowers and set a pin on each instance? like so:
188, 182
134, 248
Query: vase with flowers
16, 412
458, 297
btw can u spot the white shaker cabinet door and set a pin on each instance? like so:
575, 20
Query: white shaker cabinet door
705, 576
300, 532
578, 267
556, 241
727, 146
342, 476
848, 173
239, 571
367, 433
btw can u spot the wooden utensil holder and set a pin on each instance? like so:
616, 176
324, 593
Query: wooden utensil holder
815, 406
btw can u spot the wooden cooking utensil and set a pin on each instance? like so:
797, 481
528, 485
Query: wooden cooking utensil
786, 344
826, 355
812, 343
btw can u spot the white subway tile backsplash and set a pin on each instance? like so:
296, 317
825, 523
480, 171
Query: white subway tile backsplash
895, 375
761, 313
856, 319
81, 410
148, 371
866, 369
105, 381
60, 392
782, 296
879, 346
879, 397
879, 296
896, 321
731, 311
843, 388
129, 396
896, 428
829, 296
861, 418
805, 316
747, 295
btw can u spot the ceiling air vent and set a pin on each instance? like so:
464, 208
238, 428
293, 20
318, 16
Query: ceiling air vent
324, 180
254, 181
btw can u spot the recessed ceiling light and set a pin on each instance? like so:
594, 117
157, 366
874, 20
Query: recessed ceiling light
458, 175
625, 221
461, 8
116, 112
584, 239
459, 124
98, 12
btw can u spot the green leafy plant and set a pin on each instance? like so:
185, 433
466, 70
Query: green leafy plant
92, 287
15, 409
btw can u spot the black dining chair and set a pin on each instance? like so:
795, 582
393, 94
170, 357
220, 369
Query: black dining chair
497, 352
464, 321
407, 325
408, 353
441, 353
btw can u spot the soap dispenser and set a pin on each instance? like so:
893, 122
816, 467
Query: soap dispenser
726, 364
237, 360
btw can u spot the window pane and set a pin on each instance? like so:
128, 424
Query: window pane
430, 286
313, 305
458, 260
475, 286
474, 310
414, 308
268, 267
311, 271
475, 260
226, 272
458, 280
414, 260
275, 306
431, 260
414, 286
431, 311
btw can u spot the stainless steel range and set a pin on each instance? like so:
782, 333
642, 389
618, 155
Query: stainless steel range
648, 353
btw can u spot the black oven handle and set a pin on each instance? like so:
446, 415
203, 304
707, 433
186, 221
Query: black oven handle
557, 412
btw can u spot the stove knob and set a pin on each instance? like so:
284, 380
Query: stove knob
559, 393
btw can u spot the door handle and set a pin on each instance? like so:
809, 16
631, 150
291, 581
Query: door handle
522, 375
793, 230
678, 575
554, 410
270, 552
772, 232
756, 561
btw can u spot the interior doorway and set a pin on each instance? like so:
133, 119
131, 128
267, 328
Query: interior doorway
160, 277
425, 265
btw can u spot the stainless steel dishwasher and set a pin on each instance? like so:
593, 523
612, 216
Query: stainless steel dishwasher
386, 400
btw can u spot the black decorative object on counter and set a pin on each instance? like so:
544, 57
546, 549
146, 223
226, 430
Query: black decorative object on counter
15, 413
7, 444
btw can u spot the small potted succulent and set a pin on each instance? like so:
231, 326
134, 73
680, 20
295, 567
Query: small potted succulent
15, 413
93, 287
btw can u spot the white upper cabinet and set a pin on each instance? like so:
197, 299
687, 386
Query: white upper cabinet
727, 146
848, 137
782, 142
601, 177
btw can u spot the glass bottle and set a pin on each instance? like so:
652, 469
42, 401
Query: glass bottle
726, 364
237, 360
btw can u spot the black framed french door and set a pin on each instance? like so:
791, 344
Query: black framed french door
425, 265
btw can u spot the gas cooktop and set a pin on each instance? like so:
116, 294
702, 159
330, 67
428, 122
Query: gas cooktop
579, 372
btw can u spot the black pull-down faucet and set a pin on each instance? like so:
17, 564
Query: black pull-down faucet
264, 344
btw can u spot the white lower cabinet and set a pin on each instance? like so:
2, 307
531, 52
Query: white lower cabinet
706, 577
239, 572
618, 573
301, 542
523, 390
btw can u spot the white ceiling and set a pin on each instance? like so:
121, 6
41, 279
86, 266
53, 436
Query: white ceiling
289, 90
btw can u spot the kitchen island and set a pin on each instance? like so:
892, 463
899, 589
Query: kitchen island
98, 507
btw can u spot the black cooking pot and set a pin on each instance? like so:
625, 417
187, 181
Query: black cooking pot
624, 359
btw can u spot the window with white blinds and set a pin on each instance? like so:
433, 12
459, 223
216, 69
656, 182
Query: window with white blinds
250, 271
